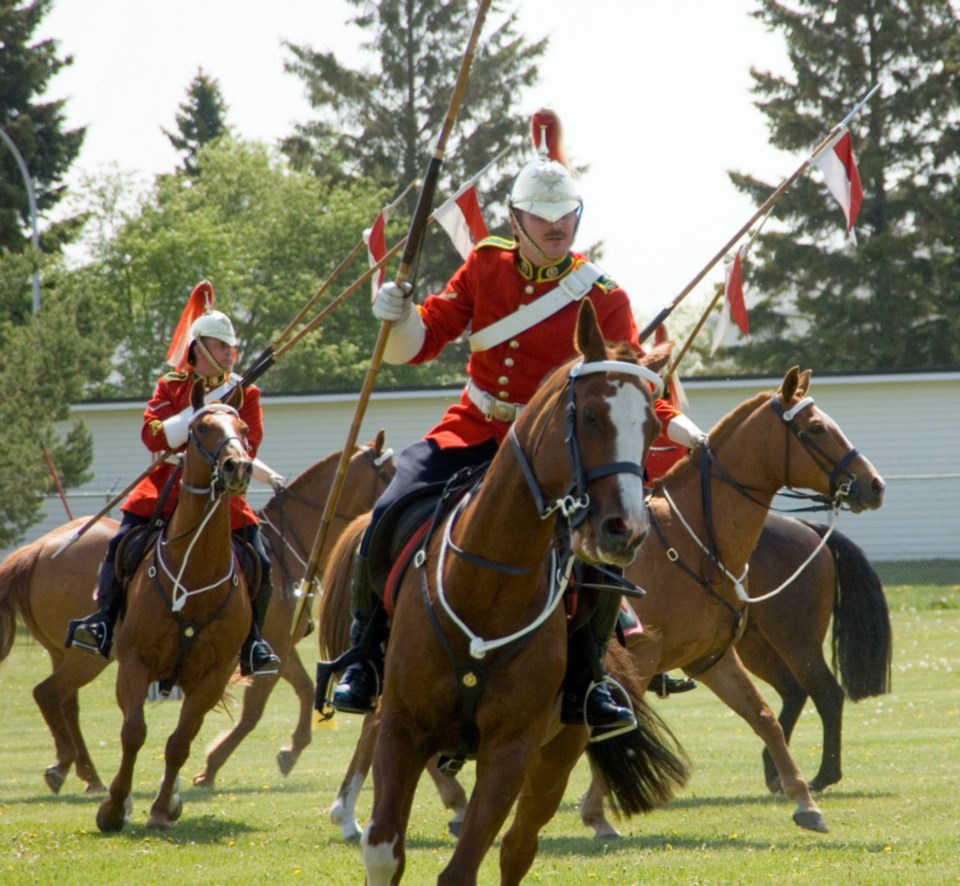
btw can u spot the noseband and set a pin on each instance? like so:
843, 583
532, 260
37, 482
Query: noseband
575, 503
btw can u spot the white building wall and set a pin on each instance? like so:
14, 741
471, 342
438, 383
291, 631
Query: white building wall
907, 425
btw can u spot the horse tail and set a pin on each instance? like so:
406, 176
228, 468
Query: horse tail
333, 628
15, 573
639, 770
862, 636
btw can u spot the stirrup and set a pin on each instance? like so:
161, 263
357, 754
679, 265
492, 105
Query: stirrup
91, 636
259, 660
602, 733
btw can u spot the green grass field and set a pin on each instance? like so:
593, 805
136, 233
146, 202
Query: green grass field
894, 819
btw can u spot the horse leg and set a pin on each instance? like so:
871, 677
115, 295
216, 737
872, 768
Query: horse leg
762, 659
730, 682
539, 799
343, 811
397, 766
592, 812
166, 807
254, 701
501, 770
452, 795
56, 697
132, 684
303, 685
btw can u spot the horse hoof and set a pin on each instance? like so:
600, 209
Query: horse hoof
608, 835
453, 826
158, 823
775, 787
54, 778
286, 760
812, 821
95, 787
107, 823
203, 780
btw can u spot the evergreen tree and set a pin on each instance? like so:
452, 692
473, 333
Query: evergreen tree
202, 118
893, 300
36, 127
382, 123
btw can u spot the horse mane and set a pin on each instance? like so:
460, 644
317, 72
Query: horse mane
718, 433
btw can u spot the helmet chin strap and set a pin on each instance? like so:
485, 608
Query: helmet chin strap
202, 348
529, 241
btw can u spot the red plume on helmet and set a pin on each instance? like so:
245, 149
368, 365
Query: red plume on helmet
547, 135
200, 301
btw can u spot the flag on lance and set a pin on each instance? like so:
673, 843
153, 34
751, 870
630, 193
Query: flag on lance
841, 176
461, 218
734, 306
376, 239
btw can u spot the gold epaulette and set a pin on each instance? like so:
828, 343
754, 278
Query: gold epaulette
606, 283
498, 242
173, 375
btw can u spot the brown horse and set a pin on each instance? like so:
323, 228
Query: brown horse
187, 609
708, 513
477, 647
48, 591
782, 644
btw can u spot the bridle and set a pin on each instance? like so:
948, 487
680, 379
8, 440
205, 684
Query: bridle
216, 487
574, 504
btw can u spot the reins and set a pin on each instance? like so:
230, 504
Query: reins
710, 467
573, 505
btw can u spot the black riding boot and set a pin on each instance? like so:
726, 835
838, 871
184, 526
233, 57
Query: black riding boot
664, 685
257, 659
586, 695
359, 687
94, 633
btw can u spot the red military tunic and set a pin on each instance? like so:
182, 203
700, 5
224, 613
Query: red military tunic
171, 397
491, 284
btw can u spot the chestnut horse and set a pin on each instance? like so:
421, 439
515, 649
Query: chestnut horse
782, 644
48, 590
477, 647
187, 609
708, 513
783, 639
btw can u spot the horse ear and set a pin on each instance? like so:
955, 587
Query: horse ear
658, 356
235, 397
589, 340
804, 383
380, 442
196, 396
790, 384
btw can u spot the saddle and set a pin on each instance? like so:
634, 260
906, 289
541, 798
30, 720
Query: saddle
140, 541
398, 534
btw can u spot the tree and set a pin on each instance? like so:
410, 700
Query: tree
202, 118
36, 127
266, 236
382, 123
893, 301
46, 360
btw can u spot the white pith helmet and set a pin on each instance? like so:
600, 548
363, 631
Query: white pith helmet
214, 324
545, 186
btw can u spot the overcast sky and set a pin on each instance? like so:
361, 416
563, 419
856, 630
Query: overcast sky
653, 94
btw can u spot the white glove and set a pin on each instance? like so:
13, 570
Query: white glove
392, 302
177, 428
263, 473
684, 431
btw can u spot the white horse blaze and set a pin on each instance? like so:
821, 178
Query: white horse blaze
629, 415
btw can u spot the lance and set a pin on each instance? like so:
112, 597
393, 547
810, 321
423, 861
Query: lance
834, 136
269, 354
414, 240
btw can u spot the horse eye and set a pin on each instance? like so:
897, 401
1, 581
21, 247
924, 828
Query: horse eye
590, 417
816, 427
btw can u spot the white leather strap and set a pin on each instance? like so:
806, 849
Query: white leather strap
572, 288
490, 406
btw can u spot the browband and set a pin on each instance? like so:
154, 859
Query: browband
647, 375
